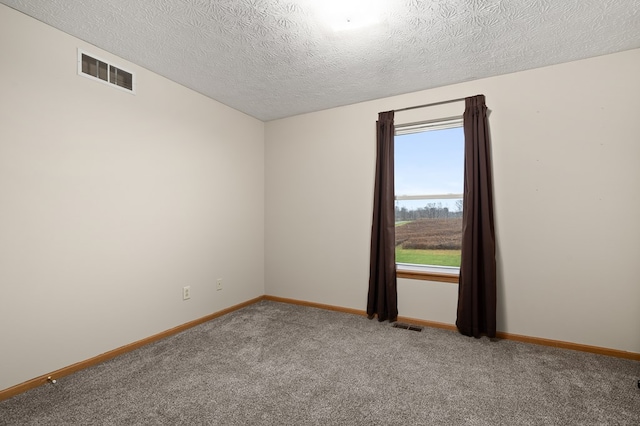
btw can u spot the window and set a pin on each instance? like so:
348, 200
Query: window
96, 68
429, 176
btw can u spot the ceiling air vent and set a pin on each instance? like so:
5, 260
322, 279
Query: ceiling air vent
98, 69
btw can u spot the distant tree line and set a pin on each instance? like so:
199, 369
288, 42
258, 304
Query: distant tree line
429, 211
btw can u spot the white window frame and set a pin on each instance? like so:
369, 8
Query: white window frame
428, 272
109, 65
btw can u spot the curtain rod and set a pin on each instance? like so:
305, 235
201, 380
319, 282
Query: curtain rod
431, 104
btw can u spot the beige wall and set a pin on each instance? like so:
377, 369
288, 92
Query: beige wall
566, 147
111, 203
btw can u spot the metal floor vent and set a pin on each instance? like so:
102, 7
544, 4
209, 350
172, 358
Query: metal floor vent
407, 326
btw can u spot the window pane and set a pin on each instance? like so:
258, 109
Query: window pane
429, 232
430, 162
429, 166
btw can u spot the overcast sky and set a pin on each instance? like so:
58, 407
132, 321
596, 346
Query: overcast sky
429, 163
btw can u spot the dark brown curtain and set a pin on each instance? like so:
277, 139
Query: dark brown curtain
477, 289
383, 296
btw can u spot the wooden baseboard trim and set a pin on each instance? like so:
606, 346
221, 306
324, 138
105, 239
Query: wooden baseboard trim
569, 345
65, 371
501, 335
360, 312
316, 305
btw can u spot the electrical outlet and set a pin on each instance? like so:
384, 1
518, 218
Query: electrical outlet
186, 292
219, 284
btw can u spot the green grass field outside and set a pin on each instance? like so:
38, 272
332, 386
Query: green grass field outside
428, 257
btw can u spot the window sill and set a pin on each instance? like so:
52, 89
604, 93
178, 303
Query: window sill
427, 275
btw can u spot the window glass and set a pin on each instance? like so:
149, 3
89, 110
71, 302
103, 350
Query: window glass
429, 176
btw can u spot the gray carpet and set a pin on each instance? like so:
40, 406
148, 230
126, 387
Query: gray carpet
279, 364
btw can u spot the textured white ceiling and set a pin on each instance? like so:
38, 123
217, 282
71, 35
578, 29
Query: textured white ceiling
277, 58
